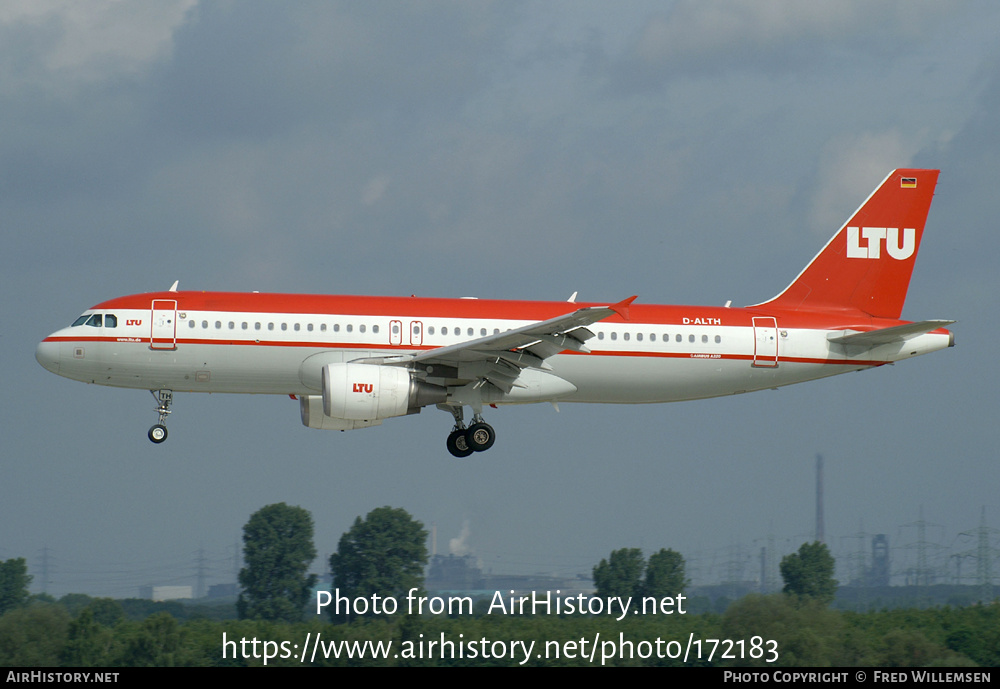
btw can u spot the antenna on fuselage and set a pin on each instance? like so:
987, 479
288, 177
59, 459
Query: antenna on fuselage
173, 287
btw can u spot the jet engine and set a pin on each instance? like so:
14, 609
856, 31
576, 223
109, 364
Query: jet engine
311, 409
366, 392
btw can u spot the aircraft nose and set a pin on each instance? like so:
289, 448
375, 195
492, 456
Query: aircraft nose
47, 354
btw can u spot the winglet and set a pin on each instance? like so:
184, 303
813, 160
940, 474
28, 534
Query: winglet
621, 308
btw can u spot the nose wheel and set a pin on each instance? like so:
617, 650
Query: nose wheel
158, 433
164, 398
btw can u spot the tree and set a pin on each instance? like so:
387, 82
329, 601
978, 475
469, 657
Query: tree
809, 572
627, 574
621, 574
664, 574
14, 582
383, 555
277, 549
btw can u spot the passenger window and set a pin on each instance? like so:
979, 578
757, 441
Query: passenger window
652, 337
309, 327
626, 336
270, 326
496, 331
704, 338
374, 328
190, 324
256, 326
336, 327
600, 335
470, 332
244, 325
679, 338
284, 326
204, 325
350, 328
111, 321
297, 327
430, 330
482, 332
361, 328
718, 339
614, 335
231, 325
458, 331
322, 327
690, 338
218, 325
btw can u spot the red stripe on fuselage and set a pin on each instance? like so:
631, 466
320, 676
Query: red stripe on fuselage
368, 346
420, 308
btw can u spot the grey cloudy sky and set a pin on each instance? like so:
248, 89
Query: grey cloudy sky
687, 152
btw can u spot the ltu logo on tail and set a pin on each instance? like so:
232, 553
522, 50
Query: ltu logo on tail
874, 236
363, 387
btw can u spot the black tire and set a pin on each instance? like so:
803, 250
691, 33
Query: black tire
158, 433
458, 445
480, 436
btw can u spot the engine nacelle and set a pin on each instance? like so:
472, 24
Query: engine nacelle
369, 391
311, 409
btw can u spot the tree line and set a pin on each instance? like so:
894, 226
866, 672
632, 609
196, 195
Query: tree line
384, 554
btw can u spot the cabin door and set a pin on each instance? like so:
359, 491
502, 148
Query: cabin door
163, 324
765, 342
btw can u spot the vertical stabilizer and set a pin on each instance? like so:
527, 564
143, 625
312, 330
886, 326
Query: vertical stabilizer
867, 265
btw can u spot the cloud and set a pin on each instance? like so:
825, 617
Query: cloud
374, 189
90, 40
698, 36
850, 167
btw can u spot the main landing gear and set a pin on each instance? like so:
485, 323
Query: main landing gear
164, 398
463, 441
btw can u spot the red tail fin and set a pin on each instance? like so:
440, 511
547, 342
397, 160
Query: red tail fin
868, 263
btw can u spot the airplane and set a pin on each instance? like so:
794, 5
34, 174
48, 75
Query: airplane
353, 361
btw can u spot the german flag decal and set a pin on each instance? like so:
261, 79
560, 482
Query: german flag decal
908, 182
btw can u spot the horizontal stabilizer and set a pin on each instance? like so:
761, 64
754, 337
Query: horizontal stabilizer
897, 333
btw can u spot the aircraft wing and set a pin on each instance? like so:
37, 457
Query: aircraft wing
500, 357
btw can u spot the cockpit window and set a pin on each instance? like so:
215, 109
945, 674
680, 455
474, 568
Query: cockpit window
80, 321
95, 320
110, 320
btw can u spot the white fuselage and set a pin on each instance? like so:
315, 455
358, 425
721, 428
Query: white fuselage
281, 353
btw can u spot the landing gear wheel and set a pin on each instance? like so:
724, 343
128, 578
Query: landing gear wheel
458, 445
158, 433
480, 436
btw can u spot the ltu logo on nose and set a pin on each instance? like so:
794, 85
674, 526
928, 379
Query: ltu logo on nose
363, 387
874, 236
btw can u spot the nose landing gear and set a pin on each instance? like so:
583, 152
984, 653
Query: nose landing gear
164, 398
